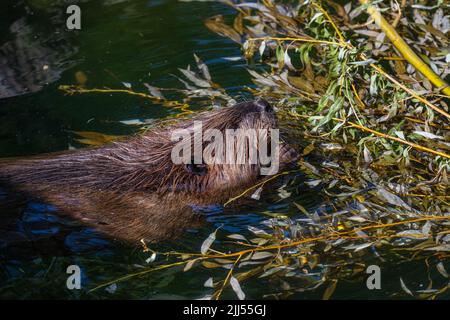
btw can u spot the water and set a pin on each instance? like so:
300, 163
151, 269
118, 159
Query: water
120, 41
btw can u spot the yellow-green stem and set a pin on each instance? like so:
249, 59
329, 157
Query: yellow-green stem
406, 50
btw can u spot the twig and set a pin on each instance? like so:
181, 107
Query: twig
357, 97
399, 14
338, 32
297, 40
278, 247
415, 146
128, 276
255, 186
227, 279
76, 89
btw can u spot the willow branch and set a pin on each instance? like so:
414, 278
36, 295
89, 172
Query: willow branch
405, 49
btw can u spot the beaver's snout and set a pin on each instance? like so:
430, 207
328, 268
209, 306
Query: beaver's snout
258, 106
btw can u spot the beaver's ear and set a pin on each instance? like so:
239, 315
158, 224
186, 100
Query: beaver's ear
197, 169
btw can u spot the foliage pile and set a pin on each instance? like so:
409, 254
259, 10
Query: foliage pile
377, 125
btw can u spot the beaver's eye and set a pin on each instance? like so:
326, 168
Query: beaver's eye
197, 169
263, 106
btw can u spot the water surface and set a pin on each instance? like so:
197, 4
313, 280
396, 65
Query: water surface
131, 42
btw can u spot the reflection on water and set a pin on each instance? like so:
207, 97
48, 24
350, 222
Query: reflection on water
35, 55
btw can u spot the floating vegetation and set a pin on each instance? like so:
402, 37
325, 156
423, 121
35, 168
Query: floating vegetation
362, 87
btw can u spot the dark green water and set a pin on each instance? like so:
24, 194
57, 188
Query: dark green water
120, 41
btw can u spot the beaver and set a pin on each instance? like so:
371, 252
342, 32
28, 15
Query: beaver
131, 189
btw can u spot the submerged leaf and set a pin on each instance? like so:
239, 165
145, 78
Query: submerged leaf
237, 237
261, 255
402, 284
194, 78
152, 258
154, 91
412, 234
111, 288
208, 242
209, 283
440, 267
203, 68
95, 138
392, 198
189, 265
217, 24
237, 288
358, 247
330, 290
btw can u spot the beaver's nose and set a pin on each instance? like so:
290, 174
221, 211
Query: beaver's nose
263, 105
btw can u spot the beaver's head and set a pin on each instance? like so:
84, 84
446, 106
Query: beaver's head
210, 156
213, 152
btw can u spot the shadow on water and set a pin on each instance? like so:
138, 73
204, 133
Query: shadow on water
130, 42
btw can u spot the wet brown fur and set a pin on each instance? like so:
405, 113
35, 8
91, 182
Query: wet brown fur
131, 189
